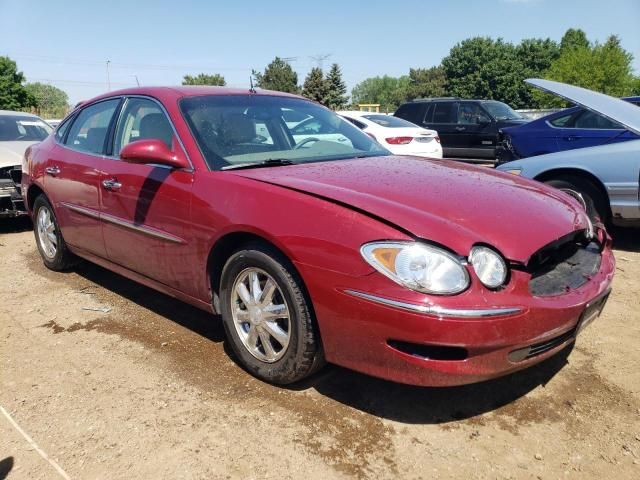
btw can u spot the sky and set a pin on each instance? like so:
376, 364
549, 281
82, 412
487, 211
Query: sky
68, 43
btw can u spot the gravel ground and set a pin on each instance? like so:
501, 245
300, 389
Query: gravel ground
112, 380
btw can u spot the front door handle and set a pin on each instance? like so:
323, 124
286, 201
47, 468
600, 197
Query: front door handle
53, 171
461, 129
112, 184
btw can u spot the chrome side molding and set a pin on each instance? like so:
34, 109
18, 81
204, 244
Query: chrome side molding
435, 309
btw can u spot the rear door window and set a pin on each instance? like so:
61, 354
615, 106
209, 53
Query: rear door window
89, 130
445, 112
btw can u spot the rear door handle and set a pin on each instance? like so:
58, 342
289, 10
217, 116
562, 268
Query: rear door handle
53, 171
112, 184
571, 138
461, 129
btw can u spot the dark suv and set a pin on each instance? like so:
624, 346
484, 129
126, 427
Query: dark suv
467, 128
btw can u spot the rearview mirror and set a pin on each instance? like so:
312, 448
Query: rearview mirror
152, 151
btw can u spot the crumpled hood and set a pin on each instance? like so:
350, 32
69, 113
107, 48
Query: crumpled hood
447, 202
11, 153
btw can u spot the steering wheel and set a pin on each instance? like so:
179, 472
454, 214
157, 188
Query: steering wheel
305, 141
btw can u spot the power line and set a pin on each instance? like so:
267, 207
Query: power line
141, 66
320, 58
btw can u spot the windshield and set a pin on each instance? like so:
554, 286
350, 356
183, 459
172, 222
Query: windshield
501, 111
23, 128
389, 121
234, 130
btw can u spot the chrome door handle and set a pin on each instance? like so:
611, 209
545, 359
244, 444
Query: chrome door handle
53, 171
460, 129
111, 184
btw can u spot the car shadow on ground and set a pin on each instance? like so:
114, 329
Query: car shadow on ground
192, 318
6, 465
15, 225
626, 239
430, 405
385, 399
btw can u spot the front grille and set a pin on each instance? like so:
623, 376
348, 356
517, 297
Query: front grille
540, 348
563, 265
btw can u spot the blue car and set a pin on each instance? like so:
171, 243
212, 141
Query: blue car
572, 128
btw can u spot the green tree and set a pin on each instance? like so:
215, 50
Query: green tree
574, 38
336, 90
279, 76
536, 56
315, 86
426, 82
50, 101
481, 67
13, 94
204, 79
604, 68
388, 91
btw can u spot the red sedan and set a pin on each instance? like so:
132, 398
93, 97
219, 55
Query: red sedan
320, 245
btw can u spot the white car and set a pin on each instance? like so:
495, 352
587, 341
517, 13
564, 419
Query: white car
398, 136
18, 130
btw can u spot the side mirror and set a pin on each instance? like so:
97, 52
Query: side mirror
484, 121
152, 151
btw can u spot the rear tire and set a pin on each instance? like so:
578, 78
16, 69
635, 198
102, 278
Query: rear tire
597, 205
273, 335
52, 247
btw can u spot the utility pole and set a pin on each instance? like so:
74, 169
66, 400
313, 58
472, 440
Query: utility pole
108, 78
319, 59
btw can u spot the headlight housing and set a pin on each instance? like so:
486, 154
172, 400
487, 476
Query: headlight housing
418, 266
513, 171
489, 266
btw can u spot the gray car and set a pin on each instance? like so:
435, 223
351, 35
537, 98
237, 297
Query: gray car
605, 178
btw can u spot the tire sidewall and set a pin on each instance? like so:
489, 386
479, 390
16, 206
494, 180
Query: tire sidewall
58, 262
299, 320
590, 194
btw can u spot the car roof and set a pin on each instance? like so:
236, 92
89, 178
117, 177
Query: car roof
176, 92
614, 109
14, 113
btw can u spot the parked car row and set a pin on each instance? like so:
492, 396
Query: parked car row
467, 128
316, 243
606, 178
568, 129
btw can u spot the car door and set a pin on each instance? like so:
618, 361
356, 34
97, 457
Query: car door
72, 175
475, 130
588, 129
145, 208
442, 117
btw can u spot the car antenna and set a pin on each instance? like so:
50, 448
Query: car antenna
251, 89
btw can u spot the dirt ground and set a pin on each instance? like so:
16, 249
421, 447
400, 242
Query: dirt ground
145, 389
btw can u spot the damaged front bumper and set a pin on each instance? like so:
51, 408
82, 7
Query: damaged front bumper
11, 201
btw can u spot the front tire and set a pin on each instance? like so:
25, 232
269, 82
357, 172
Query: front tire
52, 247
267, 316
597, 205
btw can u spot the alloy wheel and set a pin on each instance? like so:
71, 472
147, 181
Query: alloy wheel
46, 228
260, 315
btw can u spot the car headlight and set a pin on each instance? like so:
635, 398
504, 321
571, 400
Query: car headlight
418, 266
489, 266
513, 171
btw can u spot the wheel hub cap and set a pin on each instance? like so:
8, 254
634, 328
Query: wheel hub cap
260, 315
46, 229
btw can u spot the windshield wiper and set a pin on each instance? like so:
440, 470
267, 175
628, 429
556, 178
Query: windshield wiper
271, 162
